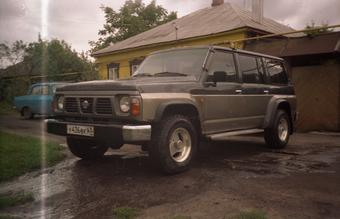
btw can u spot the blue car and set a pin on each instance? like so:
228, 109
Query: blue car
38, 100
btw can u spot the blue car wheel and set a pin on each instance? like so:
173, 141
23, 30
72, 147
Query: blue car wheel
27, 113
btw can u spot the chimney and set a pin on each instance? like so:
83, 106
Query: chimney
217, 3
257, 10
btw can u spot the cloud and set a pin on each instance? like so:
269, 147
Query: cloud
12, 8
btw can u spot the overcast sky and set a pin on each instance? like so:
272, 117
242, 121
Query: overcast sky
78, 21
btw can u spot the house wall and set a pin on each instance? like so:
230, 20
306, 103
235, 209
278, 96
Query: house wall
318, 97
124, 57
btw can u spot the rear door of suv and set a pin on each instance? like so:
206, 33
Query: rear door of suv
254, 90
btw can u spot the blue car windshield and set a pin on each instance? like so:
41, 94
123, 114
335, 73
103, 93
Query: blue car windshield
185, 62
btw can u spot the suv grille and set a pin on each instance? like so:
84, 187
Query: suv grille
104, 106
88, 105
71, 105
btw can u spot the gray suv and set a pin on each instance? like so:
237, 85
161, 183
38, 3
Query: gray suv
176, 98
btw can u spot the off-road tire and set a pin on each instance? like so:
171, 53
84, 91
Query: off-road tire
159, 147
86, 148
27, 113
271, 135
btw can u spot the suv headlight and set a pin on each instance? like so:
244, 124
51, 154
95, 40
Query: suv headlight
60, 103
124, 104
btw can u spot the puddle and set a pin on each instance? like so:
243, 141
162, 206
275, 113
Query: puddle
286, 162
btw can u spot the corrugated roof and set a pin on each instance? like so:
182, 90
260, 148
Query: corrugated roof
207, 21
319, 44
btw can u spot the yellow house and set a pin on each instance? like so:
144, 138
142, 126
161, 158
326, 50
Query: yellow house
214, 25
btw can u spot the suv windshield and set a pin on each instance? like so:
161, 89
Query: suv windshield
176, 63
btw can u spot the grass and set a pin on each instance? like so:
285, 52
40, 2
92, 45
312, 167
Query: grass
19, 155
6, 108
15, 199
251, 214
125, 213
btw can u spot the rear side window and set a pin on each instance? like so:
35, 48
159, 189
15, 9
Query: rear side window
250, 69
276, 72
223, 62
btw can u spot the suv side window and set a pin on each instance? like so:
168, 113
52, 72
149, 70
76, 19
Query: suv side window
276, 71
250, 69
223, 62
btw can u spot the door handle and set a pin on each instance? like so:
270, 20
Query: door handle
266, 91
238, 91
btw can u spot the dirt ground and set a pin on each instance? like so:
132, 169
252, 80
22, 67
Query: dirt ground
302, 181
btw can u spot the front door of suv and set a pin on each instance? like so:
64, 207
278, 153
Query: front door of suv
220, 103
254, 90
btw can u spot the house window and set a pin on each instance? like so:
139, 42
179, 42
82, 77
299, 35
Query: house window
134, 68
134, 64
113, 71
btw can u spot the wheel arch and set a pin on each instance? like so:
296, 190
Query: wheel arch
179, 107
21, 110
273, 106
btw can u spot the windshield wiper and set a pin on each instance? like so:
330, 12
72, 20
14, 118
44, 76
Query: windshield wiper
167, 73
143, 75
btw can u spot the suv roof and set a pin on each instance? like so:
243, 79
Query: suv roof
220, 48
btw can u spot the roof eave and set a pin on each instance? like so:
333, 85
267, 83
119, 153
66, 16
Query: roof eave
239, 29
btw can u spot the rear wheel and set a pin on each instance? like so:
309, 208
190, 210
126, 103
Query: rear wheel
86, 148
174, 145
278, 136
27, 113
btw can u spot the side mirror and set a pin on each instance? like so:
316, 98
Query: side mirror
219, 76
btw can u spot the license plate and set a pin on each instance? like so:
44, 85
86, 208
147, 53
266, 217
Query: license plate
80, 130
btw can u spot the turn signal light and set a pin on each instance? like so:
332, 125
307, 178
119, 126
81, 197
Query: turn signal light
135, 107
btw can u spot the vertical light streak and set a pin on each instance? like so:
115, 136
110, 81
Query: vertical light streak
44, 18
44, 36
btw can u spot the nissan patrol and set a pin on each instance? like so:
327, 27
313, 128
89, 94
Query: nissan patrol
176, 98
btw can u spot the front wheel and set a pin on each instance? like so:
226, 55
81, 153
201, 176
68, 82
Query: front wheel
278, 135
173, 144
86, 148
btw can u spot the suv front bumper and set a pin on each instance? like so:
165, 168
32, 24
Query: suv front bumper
108, 132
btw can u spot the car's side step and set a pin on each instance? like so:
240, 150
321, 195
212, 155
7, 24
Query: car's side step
220, 136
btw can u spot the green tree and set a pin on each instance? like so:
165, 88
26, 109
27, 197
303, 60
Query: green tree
133, 18
54, 58
312, 29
